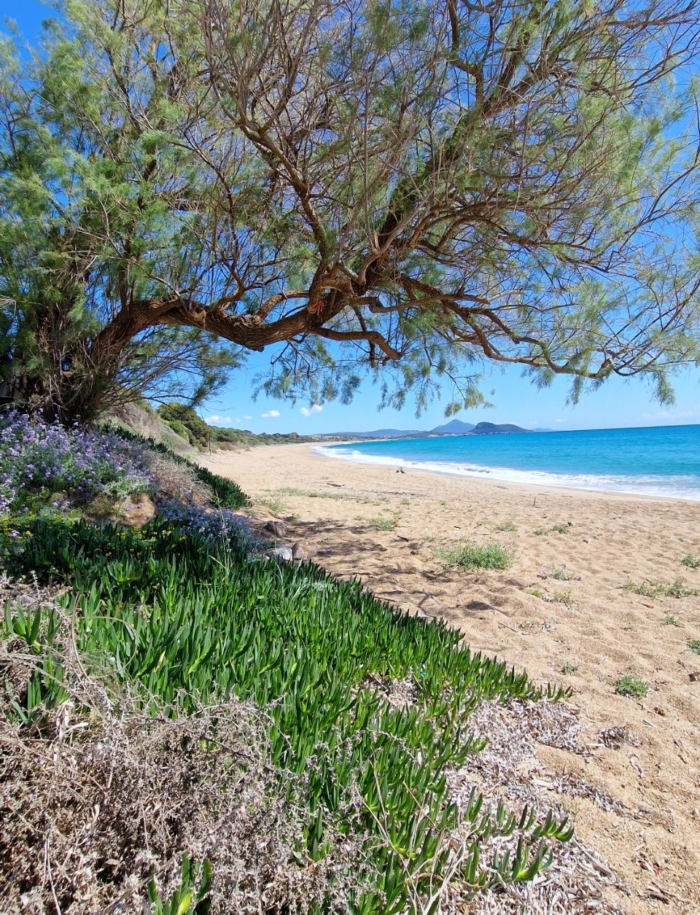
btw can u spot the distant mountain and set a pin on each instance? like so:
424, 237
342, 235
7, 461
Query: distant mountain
455, 427
496, 429
376, 433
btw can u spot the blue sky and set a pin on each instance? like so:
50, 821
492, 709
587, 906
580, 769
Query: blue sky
617, 404
515, 399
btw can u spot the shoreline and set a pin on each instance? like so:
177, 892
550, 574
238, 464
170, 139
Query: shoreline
485, 477
591, 596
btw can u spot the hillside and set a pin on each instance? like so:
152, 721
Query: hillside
497, 429
455, 427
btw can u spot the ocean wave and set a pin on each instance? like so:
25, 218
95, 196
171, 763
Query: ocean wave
671, 487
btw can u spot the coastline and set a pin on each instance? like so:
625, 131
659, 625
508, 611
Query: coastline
580, 605
525, 486
651, 484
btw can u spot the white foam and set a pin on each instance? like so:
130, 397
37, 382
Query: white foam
672, 487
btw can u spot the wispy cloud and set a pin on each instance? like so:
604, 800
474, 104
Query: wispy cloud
273, 414
219, 420
247, 417
315, 408
672, 414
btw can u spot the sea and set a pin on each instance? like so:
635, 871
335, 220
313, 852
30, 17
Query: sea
651, 461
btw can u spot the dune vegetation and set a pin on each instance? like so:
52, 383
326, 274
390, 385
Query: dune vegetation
190, 726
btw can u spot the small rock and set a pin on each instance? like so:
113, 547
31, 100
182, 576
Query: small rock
694, 676
301, 551
137, 511
278, 528
660, 710
282, 552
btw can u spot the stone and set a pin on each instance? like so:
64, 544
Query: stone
301, 551
278, 528
137, 511
282, 552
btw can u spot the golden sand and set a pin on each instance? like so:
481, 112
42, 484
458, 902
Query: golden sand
563, 610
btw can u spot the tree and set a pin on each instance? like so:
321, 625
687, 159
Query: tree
401, 185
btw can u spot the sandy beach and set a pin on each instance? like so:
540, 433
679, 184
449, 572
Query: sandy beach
589, 598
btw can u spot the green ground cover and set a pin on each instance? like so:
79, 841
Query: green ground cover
182, 622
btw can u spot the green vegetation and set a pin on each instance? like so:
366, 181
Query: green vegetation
182, 622
650, 589
478, 556
694, 645
185, 421
632, 687
156, 225
692, 562
506, 527
568, 668
671, 620
554, 529
561, 573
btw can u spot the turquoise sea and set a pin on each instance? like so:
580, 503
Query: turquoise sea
655, 461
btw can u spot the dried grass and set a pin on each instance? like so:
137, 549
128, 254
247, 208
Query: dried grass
576, 882
98, 796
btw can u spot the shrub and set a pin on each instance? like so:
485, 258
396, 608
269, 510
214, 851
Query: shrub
690, 561
484, 556
39, 459
226, 493
632, 686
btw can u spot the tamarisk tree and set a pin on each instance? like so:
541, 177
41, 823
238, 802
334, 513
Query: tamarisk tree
401, 185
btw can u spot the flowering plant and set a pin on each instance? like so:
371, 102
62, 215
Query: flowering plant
214, 525
38, 459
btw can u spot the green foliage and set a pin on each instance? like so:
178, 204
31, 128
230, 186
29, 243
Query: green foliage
184, 901
182, 623
226, 493
694, 645
554, 529
526, 206
651, 589
632, 686
479, 556
692, 562
185, 421
506, 527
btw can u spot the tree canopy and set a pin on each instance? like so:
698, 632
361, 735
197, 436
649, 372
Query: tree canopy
400, 185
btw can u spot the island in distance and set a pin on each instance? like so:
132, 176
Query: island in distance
454, 427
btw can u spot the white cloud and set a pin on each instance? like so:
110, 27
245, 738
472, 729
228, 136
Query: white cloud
218, 420
672, 414
247, 417
315, 408
273, 414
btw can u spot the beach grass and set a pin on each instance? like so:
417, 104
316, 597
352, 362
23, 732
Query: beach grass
554, 529
677, 589
478, 556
